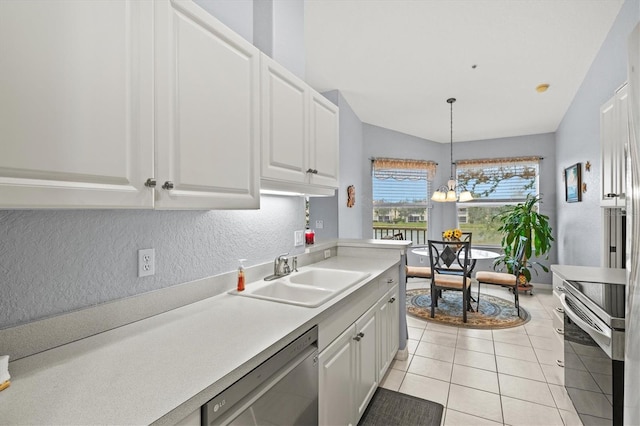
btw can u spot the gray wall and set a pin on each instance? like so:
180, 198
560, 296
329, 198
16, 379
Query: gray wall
57, 261
579, 225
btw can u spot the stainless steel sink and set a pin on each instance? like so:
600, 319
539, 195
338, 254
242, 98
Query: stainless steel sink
309, 288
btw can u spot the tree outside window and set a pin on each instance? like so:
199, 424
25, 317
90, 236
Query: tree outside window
494, 184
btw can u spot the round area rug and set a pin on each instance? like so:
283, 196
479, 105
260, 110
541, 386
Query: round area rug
495, 312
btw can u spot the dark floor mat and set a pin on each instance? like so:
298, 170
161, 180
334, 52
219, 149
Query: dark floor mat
389, 408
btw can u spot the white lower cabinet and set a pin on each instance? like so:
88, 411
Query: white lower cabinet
353, 364
388, 309
336, 379
348, 373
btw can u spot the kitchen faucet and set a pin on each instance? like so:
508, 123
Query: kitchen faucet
281, 267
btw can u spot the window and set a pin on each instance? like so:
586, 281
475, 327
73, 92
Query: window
401, 191
494, 183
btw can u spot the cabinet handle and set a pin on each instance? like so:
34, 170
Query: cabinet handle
167, 185
361, 334
357, 338
560, 363
393, 299
150, 183
559, 309
559, 331
390, 281
560, 289
611, 195
310, 171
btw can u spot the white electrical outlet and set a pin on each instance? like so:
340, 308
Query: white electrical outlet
298, 238
146, 262
327, 253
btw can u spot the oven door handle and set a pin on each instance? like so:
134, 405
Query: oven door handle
584, 325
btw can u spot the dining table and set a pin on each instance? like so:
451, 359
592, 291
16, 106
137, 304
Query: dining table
475, 254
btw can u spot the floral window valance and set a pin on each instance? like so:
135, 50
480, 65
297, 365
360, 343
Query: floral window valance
401, 169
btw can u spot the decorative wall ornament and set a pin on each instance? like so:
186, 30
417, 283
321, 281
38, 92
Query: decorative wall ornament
587, 166
573, 183
351, 196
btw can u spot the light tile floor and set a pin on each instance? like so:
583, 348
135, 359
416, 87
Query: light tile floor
491, 377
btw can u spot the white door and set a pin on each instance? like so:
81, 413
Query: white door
207, 112
366, 360
324, 141
285, 111
336, 378
76, 104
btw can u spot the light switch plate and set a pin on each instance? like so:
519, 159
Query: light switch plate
298, 238
319, 224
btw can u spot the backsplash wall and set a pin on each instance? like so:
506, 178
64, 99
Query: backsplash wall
55, 261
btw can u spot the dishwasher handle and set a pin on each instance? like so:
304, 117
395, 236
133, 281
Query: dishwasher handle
598, 335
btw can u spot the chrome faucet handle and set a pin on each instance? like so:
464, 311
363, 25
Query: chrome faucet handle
286, 269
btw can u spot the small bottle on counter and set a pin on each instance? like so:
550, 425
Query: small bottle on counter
241, 275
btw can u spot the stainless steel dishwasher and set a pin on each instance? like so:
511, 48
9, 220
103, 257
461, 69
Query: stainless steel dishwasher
283, 390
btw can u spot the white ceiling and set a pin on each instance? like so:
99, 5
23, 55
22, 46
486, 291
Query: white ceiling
397, 61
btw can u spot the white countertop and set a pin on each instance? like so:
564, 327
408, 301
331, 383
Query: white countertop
591, 274
162, 368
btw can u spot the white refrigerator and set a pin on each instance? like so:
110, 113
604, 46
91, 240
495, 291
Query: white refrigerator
632, 334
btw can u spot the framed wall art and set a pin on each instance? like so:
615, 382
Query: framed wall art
573, 183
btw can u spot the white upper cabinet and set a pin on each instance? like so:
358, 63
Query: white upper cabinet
614, 135
98, 97
76, 104
324, 143
207, 112
285, 111
299, 134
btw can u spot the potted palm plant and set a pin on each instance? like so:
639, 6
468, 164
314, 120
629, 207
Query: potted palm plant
523, 220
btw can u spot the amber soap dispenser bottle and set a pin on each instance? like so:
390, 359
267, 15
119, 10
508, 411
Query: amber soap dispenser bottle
241, 275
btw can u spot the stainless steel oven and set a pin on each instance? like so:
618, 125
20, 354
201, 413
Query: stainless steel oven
283, 390
594, 350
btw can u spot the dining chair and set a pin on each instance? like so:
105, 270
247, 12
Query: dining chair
450, 261
505, 279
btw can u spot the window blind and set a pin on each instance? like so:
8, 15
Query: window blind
500, 179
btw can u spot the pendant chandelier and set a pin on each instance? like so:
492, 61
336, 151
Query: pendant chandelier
447, 193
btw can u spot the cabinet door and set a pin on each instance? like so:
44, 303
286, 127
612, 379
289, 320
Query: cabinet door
76, 104
336, 378
394, 323
324, 141
614, 135
382, 318
366, 360
207, 112
285, 111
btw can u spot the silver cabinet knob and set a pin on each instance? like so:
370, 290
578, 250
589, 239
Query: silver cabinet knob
393, 299
150, 183
167, 185
357, 338
390, 281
